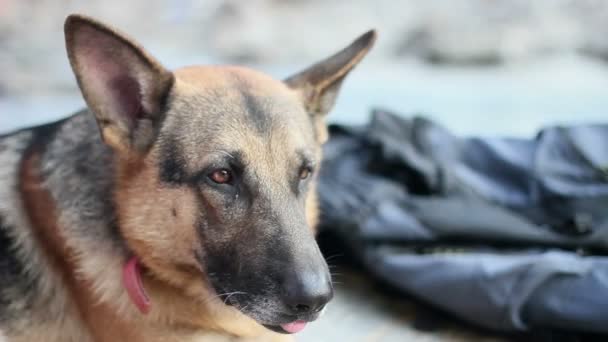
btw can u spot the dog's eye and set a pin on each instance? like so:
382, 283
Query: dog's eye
305, 173
221, 176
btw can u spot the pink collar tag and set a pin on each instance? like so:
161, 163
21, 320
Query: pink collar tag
131, 278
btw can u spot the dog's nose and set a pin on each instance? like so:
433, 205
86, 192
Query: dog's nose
308, 292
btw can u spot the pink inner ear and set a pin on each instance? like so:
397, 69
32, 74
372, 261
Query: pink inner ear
127, 94
108, 69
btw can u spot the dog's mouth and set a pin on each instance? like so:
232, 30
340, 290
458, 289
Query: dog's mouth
291, 325
288, 328
266, 301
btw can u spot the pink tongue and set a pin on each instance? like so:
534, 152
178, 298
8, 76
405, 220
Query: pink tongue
131, 278
294, 327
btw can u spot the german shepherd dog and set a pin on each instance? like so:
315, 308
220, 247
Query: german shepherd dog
179, 206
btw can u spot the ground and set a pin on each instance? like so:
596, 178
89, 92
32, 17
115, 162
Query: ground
361, 312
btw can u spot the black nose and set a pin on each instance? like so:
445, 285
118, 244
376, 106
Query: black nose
308, 292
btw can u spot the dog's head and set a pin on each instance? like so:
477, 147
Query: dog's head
216, 169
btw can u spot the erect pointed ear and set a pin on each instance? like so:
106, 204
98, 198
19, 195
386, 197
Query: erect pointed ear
124, 87
319, 84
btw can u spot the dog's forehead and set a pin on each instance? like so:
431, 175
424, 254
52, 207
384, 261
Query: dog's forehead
205, 77
234, 108
235, 93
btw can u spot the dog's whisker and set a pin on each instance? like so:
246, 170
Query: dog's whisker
212, 297
223, 294
243, 308
232, 294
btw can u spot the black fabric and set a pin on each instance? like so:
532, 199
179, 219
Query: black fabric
521, 225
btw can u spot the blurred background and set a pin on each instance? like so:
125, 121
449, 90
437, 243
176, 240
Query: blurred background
478, 67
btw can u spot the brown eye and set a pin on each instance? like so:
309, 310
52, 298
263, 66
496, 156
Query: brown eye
305, 173
222, 176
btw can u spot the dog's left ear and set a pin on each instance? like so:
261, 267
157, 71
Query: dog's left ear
123, 85
319, 84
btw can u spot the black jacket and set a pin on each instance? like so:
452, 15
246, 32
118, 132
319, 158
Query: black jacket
506, 233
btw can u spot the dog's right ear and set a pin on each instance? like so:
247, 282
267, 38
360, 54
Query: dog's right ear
124, 86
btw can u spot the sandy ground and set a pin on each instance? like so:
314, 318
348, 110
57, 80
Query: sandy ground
360, 312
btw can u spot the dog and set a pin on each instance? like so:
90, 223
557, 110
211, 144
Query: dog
178, 206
